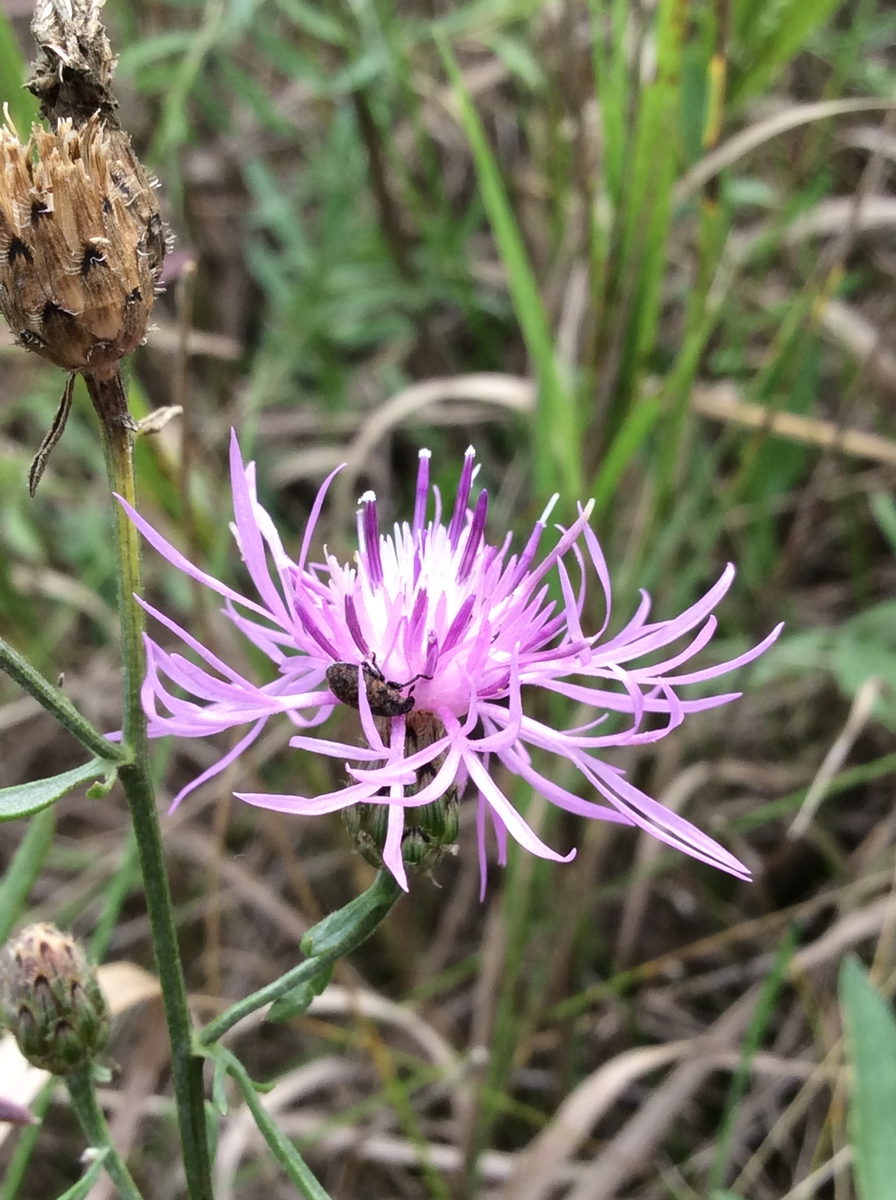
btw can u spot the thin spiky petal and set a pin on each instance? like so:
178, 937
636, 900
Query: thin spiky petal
445, 631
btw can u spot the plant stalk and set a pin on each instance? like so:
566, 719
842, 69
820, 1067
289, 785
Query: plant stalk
111, 406
325, 943
82, 1091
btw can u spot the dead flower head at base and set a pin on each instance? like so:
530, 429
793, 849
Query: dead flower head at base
81, 244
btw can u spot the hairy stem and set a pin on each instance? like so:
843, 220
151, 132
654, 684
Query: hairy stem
111, 407
280, 1146
83, 1096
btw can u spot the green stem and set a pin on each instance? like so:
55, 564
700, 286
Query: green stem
186, 1069
281, 1147
83, 1096
325, 943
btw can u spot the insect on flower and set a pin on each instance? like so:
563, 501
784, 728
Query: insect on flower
471, 625
384, 695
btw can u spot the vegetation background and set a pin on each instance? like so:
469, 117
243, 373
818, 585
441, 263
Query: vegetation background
637, 251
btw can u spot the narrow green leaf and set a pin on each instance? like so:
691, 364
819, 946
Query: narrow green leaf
22, 105
24, 870
870, 1033
638, 423
611, 80
79, 1190
24, 799
294, 1003
752, 1041
655, 160
173, 127
307, 18
555, 446
219, 1088
884, 510
796, 20
282, 1149
101, 789
149, 51
363, 913
843, 781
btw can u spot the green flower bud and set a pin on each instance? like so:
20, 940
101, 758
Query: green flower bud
430, 830
52, 1001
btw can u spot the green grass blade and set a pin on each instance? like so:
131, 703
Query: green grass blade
555, 445
611, 75
79, 1190
13, 72
753, 1040
884, 510
796, 20
870, 1032
639, 421
24, 870
654, 164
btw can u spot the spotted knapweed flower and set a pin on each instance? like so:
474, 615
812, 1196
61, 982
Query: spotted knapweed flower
435, 614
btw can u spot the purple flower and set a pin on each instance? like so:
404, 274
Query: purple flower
434, 612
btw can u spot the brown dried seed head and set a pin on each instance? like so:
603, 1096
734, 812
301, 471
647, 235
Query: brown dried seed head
82, 244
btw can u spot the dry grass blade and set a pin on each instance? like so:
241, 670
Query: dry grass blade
859, 715
534, 1174
505, 391
632, 1150
834, 1168
830, 217
848, 327
721, 402
648, 852
754, 136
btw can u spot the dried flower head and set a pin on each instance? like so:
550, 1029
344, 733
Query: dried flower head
81, 244
469, 626
52, 1001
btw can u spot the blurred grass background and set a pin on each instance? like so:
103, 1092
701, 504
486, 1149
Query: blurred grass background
641, 252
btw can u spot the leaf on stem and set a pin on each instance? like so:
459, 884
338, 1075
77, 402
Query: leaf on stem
356, 920
25, 799
294, 1003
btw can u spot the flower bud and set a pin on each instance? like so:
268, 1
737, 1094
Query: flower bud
81, 244
430, 830
52, 1001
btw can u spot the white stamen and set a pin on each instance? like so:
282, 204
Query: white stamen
543, 519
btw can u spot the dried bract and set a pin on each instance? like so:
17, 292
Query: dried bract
82, 244
75, 64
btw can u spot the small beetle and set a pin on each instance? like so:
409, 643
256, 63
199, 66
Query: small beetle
383, 694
